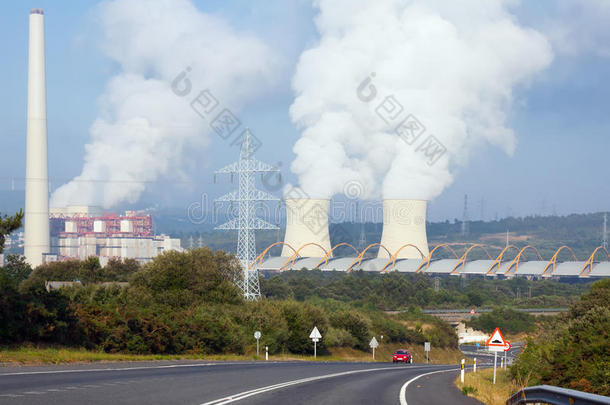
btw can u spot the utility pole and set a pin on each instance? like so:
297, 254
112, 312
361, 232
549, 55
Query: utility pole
246, 222
507, 241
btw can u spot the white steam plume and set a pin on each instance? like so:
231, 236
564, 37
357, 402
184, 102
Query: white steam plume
452, 65
143, 128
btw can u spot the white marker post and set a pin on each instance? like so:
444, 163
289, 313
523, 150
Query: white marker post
315, 336
427, 349
266, 353
475, 365
462, 371
257, 336
373, 344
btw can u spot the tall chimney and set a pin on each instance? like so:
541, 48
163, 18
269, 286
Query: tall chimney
404, 222
36, 177
306, 222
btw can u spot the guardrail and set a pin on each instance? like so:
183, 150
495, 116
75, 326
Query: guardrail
556, 396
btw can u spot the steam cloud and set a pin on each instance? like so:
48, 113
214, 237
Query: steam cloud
452, 65
143, 128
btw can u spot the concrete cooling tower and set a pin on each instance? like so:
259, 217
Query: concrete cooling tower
306, 221
36, 177
404, 221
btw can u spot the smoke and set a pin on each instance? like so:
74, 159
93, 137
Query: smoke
451, 66
143, 128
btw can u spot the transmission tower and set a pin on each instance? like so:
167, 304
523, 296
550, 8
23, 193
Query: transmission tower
605, 232
465, 216
246, 222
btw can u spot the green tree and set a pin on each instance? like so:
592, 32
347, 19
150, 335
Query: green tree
8, 225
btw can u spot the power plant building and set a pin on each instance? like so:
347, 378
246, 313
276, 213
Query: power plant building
81, 232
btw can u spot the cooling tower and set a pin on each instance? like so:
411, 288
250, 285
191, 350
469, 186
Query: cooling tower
36, 178
404, 222
306, 222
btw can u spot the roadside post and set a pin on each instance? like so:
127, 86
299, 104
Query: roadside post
427, 350
502, 363
374, 344
257, 336
496, 343
315, 336
266, 353
462, 371
474, 368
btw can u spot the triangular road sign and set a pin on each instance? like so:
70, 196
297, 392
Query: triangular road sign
315, 333
496, 339
373, 343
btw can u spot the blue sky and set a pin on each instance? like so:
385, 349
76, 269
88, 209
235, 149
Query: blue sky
561, 119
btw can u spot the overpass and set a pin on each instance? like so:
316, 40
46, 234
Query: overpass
455, 316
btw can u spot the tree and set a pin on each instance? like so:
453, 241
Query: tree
9, 224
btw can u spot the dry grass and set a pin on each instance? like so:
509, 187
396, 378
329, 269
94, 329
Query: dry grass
30, 355
484, 389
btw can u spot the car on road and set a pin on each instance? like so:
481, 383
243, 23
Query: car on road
402, 356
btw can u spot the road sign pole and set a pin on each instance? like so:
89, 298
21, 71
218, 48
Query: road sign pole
505, 359
373, 353
257, 350
462, 372
315, 349
426, 357
495, 362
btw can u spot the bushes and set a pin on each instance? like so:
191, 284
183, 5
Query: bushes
573, 351
508, 320
181, 303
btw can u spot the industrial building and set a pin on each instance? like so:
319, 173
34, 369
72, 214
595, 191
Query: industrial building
81, 231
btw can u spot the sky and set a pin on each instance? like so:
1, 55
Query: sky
559, 116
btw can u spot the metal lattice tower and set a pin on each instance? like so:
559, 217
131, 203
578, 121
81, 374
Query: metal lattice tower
605, 232
246, 222
465, 216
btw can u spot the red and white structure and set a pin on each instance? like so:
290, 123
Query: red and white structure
81, 232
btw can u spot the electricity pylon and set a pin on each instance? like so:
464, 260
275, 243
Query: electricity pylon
246, 222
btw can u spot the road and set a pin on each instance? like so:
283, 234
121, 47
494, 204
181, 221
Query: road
192, 382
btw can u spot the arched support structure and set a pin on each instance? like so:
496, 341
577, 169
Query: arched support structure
586, 270
462, 261
395, 255
293, 258
551, 264
515, 263
426, 261
361, 255
330, 253
498, 262
261, 256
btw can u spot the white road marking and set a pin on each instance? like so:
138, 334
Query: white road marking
246, 394
119, 369
402, 396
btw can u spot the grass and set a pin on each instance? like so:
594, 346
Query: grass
31, 355
480, 386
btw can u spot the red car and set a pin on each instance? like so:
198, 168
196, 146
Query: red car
401, 355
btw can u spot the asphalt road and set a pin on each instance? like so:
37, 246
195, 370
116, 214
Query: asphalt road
189, 382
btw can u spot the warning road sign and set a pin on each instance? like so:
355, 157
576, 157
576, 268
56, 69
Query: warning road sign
496, 342
507, 347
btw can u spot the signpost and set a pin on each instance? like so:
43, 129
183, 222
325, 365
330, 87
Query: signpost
315, 336
496, 343
374, 344
257, 336
506, 349
427, 349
